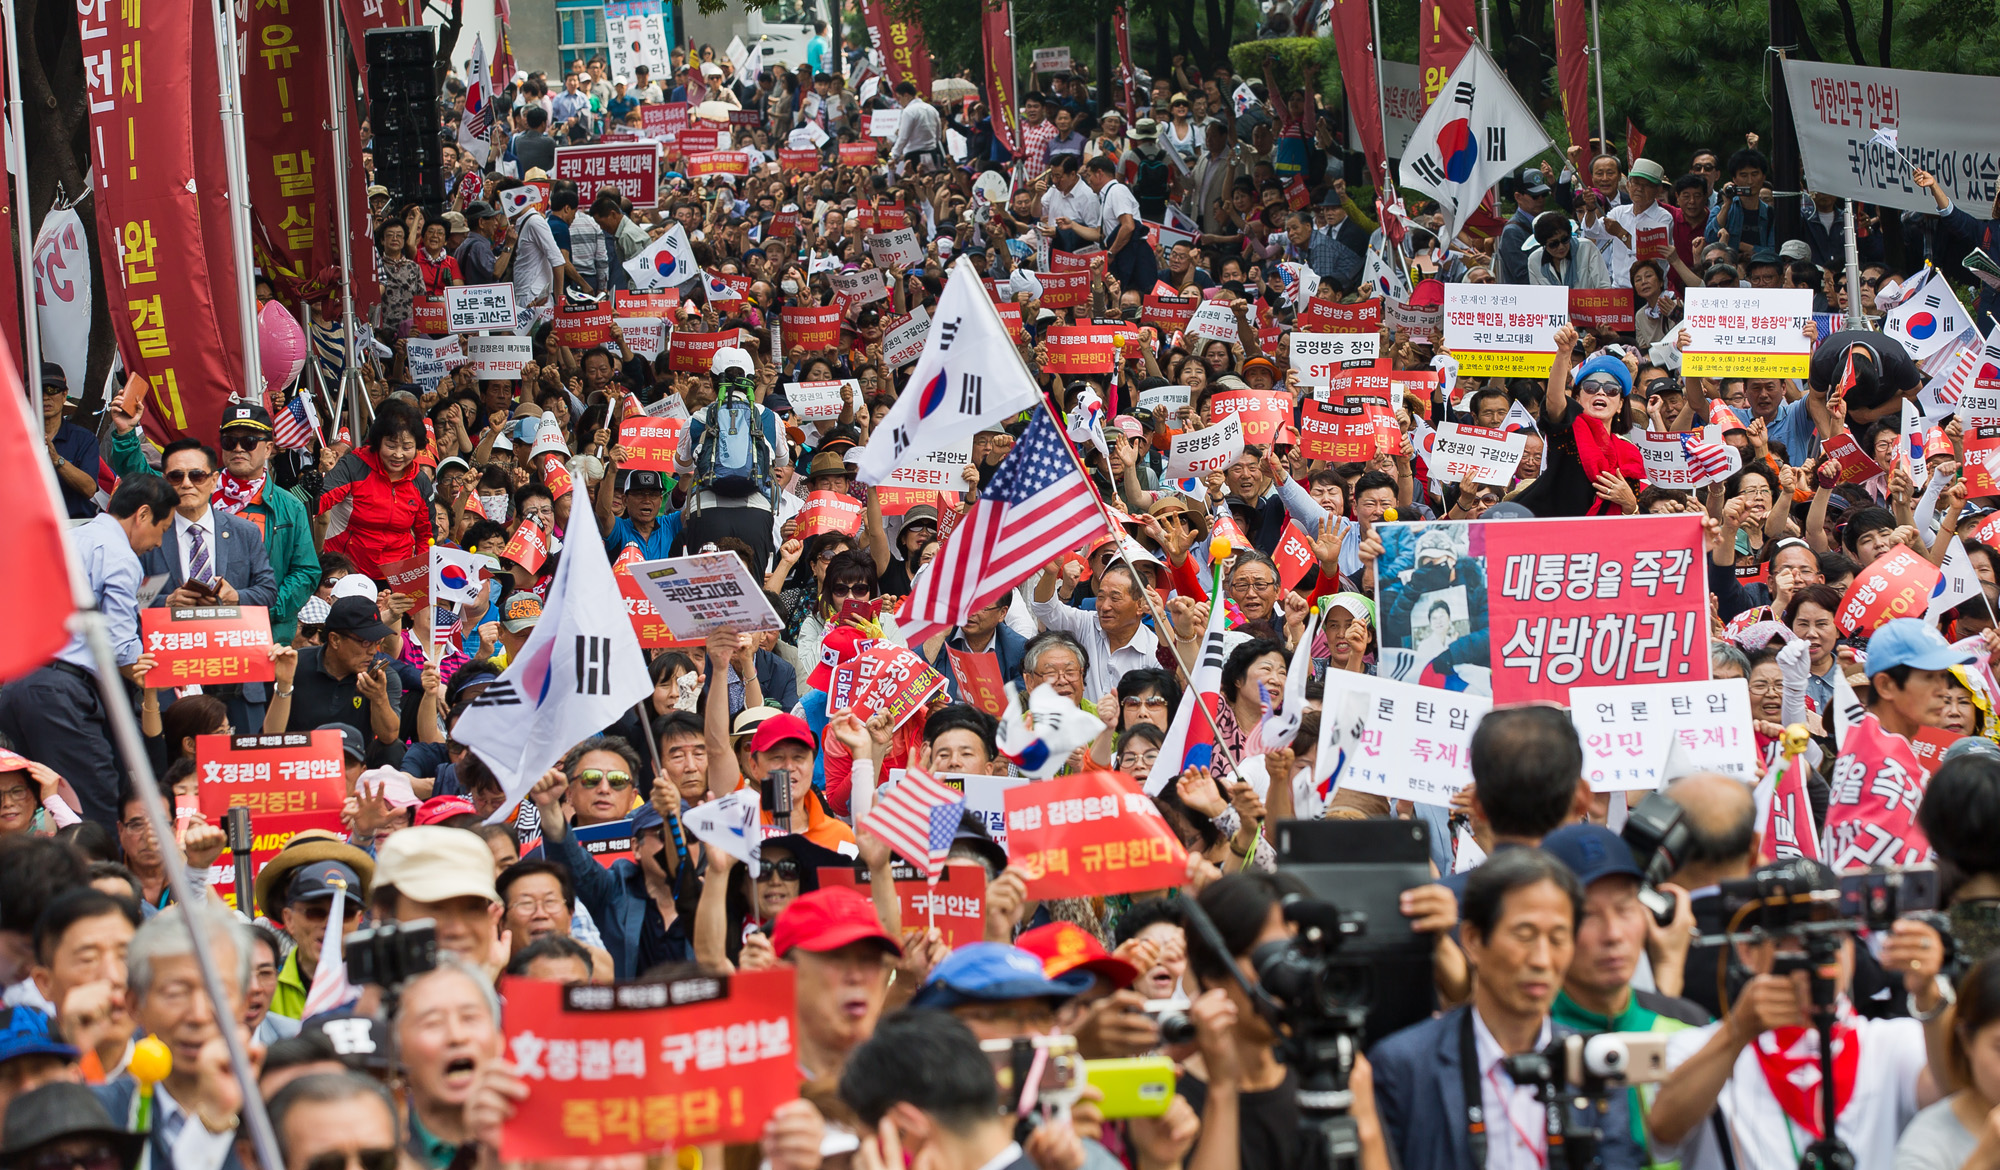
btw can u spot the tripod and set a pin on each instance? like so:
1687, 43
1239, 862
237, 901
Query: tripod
1324, 1060
1827, 1152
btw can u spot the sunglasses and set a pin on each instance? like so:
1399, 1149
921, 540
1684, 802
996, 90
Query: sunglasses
241, 441
106, 1158
786, 869
593, 778
178, 477
847, 591
375, 1159
1608, 387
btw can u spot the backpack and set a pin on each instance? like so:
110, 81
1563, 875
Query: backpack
1155, 178
733, 457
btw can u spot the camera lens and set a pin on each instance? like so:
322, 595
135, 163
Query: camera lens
1176, 1028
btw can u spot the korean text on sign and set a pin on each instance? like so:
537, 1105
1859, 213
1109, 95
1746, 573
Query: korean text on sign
296, 772
1629, 732
1096, 833
1502, 329
1403, 741
207, 645
1747, 332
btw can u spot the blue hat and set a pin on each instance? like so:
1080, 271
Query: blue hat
24, 1031
1912, 643
1606, 364
1591, 852
989, 972
646, 817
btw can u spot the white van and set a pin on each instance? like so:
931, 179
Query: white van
780, 30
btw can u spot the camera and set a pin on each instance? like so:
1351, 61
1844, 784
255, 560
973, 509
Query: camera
1170, 1016
1312, 986
776, 796
1655, 832
392, 954
1877, 897
1573, 1076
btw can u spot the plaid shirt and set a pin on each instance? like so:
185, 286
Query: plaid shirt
1328, 257
1035, 141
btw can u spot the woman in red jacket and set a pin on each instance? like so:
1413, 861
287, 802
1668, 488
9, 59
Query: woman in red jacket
376, 500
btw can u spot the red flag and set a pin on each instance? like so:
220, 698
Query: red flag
1573, 66
35, 592
1444, 34
1353, 39
996, 35
1788, 824
1846, 377
1635, 142
1122, 26
1871, 806
289, 152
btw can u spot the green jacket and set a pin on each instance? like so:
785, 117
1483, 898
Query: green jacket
277, 514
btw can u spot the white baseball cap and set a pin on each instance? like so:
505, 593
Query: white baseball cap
732, 357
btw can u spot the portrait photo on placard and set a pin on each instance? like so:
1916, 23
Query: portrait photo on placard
1430, 605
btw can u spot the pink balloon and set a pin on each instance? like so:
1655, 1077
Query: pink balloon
281, 345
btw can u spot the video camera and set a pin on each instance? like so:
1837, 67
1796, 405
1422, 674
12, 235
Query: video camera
1573, 1078
1655, 832
391, 954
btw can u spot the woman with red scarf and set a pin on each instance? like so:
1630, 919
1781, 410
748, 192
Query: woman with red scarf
1589, 469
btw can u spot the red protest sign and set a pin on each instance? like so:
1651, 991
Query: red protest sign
430, 317
209, 645
1296, 196
859, 154
718, 162
791, 159
1988, 532
828, 512
581, 325
650, 442
1079, 349
810, 330
1294, 555
1065, 290
1610, 308
695, 352
652, 304
1260, 411
1788, 826
297, 772
1060, 261
1010, 316
1552, 583
1930, 745
1898, 584
1091, 834
735, 282
664, 120
528, 547
1871, 804
896, 500
635, 1068
1168, 313
895, 680
1982, 448
1341, 429
410, 577
647, 623
1856, 465
630, 168
1328, 317
783, 226
880, 217
956, 903
269, 834
980, 682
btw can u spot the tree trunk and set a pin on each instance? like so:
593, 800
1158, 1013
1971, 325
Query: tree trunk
1528, 51
1216, 50
1883, 38
1853, 35
447, 35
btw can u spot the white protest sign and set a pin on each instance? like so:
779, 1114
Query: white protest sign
896, 248
1627, 732
1209, 449
1171, 397
469, 308
1666, 462
646, 335
702, 594
1412, 324
861, 286
903, 340
1944, 124
882, 123
430, 361
819, 401
1052, 60
1487, 455
1402, 741
499, 357
1213, 320
936, 470
1747, 332
1504, 329
1319, 356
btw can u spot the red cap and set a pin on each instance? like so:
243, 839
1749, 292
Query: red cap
779, 728
1064, 947
438, 809
828, 919
841, 644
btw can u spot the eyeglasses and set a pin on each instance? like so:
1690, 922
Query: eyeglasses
1554, 240
1148, 703
106, 1158
548, 904
240, 441
1766, 688
593, 778
1704, 168
1755, 493
178, 477
373, 1159
785, 869
1136, 761
1260, 584
136, 825
1608, 387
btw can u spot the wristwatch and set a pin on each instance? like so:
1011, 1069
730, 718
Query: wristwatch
1947, 995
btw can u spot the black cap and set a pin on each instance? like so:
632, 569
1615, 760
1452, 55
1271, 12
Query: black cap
645, 481
52, 375
358, 1041
357, 617
351, 742
247, 415
1765, 256
478, 211
62, 1110
1534, 182
317, 881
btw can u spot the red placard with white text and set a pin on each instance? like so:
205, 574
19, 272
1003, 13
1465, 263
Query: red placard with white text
410, 577
1168, 313
980, 682
1294, 555
1260, 411
1328, 317
829, 512
1010, 316
859, 154
1871, 804
795, 159
209, 645
1897, 585
1856, 465
650, 442
810, 330
296, 772
1079, 349
648, 304
718, 162
636, 1068
1607, 307
647, 623
1091, 834
1341, 429
695, 352
429, 316
1982, 450
582, 324
269, 834
1064, 290
955, 903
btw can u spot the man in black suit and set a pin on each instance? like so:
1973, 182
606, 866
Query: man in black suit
924, 1071
211, 557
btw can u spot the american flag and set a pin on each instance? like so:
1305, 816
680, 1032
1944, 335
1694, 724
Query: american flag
1036, 507
917, 817
296, 426
1708, 461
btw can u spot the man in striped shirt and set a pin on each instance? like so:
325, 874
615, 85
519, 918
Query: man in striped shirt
1037, 131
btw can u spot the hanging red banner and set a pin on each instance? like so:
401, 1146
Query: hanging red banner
1444, 34
211, 168
1573, 66
1352, 39
996, 38
156, 271
1121, 26
289, 151
900, 42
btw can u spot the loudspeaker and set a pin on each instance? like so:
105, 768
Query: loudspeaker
403, 115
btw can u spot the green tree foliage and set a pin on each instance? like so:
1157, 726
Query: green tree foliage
1301, 61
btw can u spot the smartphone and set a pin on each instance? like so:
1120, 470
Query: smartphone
201, 587
858, 610
1138, 1086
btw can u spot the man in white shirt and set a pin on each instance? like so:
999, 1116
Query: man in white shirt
1760, 1065
1133, 261
917, 132
1640, 230
1114, 635
1070, 204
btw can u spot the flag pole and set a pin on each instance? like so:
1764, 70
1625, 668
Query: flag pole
1597, 67
24, 238
1855, 318
659, 773
237, 179
351, 394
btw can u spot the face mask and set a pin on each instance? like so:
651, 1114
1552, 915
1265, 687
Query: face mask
495, 507
791, 288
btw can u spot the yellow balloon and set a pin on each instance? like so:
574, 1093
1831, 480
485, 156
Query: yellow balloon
151, 1061
1389, 514
1219, 549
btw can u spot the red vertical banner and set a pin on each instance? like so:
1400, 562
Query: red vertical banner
1444, 33
1121, 24
1353, 40
1635, 142
139, 74
362, 15
996, 37
1573, 67
288, 151
900, 41
211, 168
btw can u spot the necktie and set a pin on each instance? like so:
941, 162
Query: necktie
198, 566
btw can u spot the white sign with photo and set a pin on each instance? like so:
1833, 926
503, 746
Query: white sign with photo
706, 593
